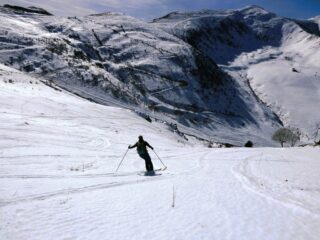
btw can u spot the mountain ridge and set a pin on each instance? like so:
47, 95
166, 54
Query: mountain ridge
117, 59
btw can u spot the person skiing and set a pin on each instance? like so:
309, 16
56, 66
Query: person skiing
141, 146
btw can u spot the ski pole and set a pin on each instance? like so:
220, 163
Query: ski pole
122, 160
165, 167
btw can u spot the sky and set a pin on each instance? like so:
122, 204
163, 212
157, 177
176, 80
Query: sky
149, 9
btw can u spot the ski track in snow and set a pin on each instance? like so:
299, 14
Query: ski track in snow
69, 191
276, 190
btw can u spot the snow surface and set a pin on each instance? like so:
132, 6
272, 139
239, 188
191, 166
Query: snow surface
58, 155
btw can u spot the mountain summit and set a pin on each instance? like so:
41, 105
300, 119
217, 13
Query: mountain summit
26, 10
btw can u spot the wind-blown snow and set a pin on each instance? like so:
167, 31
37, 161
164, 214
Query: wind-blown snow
58, 155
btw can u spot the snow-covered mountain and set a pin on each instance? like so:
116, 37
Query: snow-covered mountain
278, 57
224, 35
199, 70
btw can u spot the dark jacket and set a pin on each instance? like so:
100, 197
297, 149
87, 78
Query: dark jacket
141, 147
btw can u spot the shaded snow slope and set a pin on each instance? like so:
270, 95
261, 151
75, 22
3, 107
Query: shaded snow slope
278, 57
58, 153
23, 10
223, 35
116, 59
316, 20
287, 78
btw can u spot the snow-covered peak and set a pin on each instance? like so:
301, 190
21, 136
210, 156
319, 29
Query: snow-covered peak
254, 10
316, 20
23, 10
182, 16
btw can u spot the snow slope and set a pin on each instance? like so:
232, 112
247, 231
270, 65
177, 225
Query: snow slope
277, 57
58, 155
287, 78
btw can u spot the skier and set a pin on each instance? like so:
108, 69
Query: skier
141, 146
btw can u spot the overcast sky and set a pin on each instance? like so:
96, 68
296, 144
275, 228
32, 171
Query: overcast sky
149, 9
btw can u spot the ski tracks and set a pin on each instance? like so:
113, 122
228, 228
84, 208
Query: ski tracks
85, 189
271, 189
111, 177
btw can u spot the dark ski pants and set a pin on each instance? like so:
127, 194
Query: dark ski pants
147, 159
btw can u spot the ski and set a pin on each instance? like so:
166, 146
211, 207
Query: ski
159, 169
151, 174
